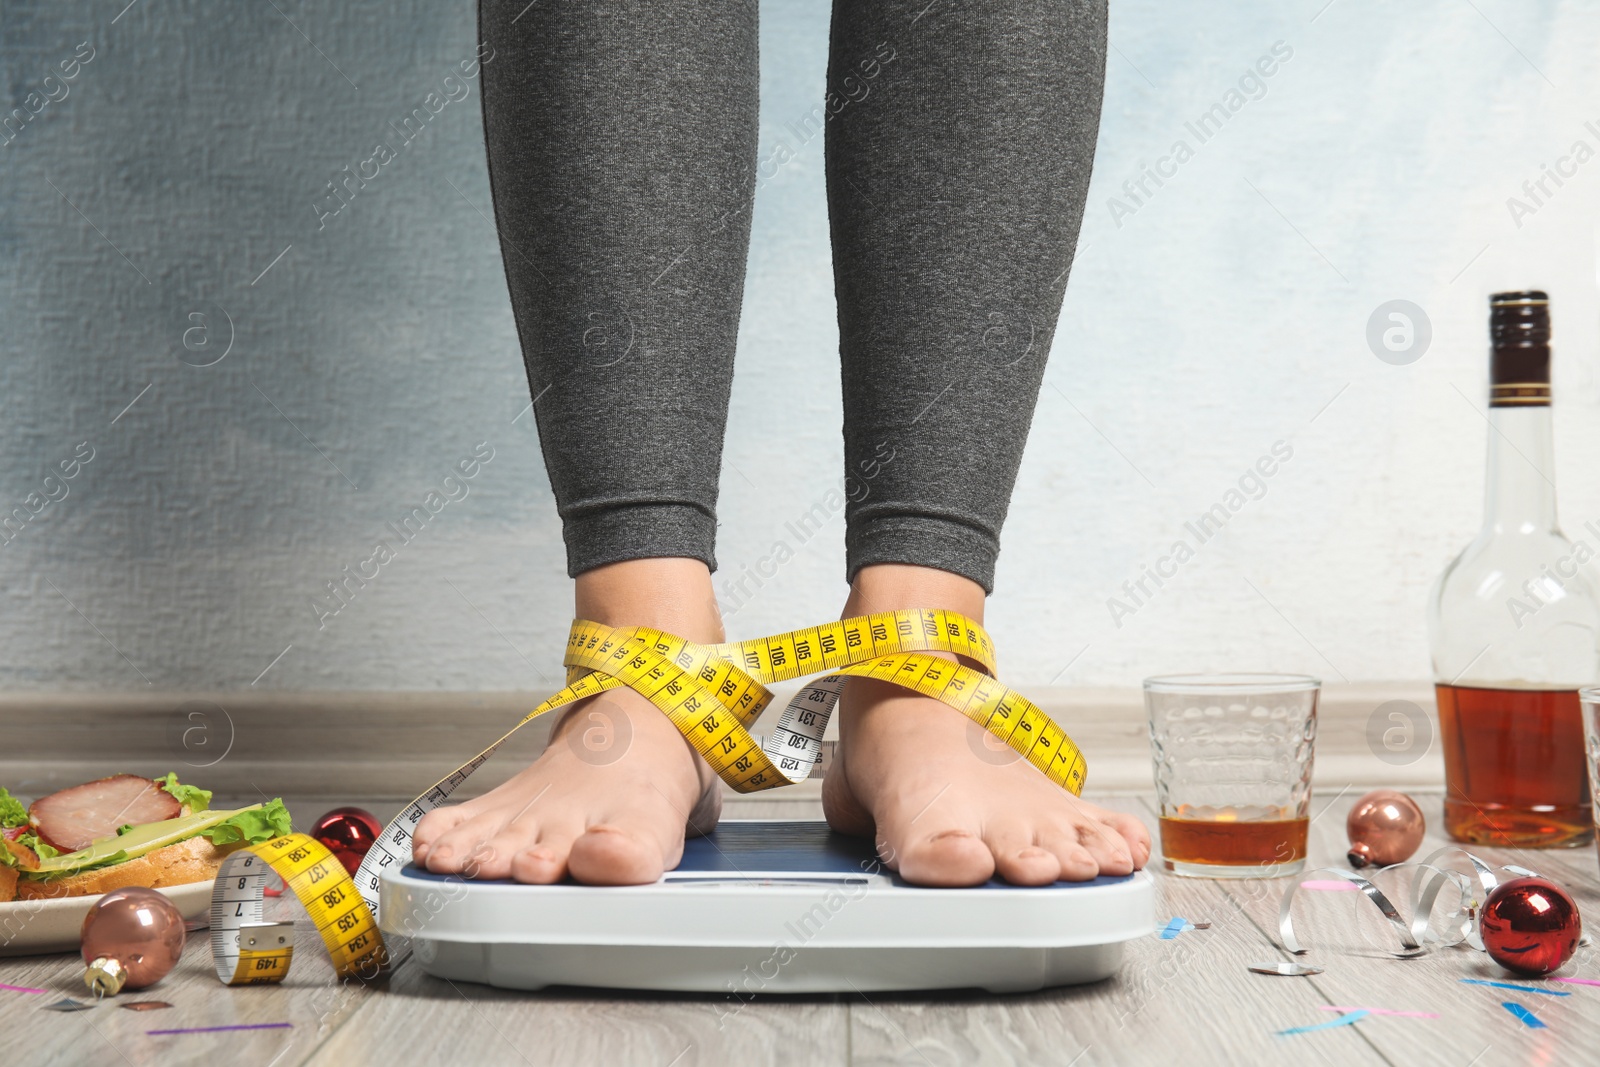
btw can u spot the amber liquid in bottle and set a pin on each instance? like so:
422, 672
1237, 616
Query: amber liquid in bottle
1514, 620
1524, 748
1233, 843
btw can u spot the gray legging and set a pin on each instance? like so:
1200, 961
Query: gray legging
622, 140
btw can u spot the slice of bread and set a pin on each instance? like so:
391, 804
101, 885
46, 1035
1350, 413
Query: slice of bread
194, 860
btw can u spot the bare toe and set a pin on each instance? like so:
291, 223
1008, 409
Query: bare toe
498, 855
1077, 865
463, 848
433, 826
1030, 865
951, 857
1133, 833
544, 863
1110, 851
608, 854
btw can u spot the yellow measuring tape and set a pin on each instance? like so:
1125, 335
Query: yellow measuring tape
712, 694
247, 950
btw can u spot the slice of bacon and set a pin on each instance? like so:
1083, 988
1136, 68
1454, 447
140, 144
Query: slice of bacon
72, 818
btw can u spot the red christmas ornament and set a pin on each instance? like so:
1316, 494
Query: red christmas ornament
131, 938
1530, 925
1385, 827
347, 833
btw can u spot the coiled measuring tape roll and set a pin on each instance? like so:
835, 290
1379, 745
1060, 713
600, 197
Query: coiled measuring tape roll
712, 694
248, 951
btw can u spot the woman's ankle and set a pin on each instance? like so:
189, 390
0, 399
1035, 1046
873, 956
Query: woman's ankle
896, 586
670, 593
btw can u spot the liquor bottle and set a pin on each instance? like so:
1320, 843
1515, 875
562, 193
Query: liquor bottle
1514, 621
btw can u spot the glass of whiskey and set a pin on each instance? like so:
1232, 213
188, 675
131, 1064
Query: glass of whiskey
1232, 759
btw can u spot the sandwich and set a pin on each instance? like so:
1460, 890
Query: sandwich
120, 831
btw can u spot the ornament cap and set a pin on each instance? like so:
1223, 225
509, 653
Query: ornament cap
1360, 855
105, 976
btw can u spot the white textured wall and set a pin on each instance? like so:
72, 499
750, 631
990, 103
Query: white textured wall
1225, 313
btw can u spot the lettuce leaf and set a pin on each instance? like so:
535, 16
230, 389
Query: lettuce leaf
44, 851
253, 825
198, 799
12, 811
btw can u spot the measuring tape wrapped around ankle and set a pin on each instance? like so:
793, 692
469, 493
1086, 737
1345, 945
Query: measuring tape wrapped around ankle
712, 694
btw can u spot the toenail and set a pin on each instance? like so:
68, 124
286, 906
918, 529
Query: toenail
943, 834
443, 852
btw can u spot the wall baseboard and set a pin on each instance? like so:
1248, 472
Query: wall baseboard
393, 745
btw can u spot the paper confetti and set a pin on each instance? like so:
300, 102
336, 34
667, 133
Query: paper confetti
1518, 988
21, 989
1527, 1017
1177, 926
1579, 981
1385, 1011
68, 1004
1343, 1020
216, 1029
146, 1005
1287, 970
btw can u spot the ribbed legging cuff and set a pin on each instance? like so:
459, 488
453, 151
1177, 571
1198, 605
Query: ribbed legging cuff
924, 541
638, 531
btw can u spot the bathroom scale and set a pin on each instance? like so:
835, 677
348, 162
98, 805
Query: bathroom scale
761, 907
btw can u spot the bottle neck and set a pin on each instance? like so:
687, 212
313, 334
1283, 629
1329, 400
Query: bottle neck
1521, 490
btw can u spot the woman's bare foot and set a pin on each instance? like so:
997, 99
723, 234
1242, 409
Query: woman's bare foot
944, 808
611, 797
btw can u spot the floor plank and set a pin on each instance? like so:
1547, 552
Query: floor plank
1187, 1000
427, 1020
1345, 937
309, 1000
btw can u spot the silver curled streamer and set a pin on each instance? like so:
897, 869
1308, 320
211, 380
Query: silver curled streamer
1424, 895
1373, 893
1416, 935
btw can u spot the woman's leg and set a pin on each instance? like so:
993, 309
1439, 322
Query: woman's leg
622, 155
957, 169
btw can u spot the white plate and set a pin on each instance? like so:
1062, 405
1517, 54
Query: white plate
33, 927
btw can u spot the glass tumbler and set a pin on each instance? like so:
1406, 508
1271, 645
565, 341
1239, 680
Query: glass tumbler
1232, 759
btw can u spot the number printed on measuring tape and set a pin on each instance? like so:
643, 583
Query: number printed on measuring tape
712, 694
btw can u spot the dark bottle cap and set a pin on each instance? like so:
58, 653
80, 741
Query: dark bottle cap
1519, 335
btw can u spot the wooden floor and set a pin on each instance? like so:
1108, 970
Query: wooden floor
1187, 1001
